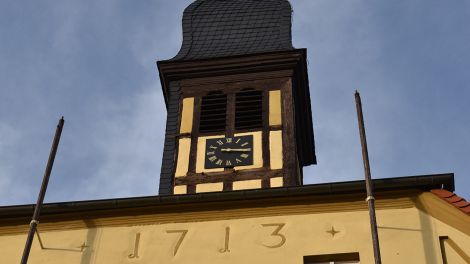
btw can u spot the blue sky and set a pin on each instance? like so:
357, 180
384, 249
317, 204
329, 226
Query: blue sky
94, 63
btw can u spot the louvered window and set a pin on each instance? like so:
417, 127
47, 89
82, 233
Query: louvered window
213, 112
248, 109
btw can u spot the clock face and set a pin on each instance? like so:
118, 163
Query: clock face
227, 152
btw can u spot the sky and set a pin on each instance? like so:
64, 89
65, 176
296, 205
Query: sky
94, 63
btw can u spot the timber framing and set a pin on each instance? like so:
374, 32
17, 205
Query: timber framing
264, 82
271, 65
280, 70
228, 176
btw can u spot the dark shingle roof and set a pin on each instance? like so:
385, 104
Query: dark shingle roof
219, 28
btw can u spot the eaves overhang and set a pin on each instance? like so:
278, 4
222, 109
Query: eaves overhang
419, 183
269, 61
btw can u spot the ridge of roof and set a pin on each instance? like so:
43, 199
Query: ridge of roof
453, 199
220, 28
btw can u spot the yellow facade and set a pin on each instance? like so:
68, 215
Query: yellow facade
187, 115
276, 182
246, 185
180, 189
184, 148
209, 187
280, 234
275, 149
275, 111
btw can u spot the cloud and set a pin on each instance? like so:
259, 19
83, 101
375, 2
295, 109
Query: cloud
9, 139
94, 62
128, 139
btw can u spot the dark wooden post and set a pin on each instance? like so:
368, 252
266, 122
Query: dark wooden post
370, 188
37, 210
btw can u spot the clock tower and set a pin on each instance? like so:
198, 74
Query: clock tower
238, 100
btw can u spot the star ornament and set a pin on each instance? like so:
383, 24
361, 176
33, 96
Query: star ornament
332, 231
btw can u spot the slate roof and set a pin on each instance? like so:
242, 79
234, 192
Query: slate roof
453, 199
220, 28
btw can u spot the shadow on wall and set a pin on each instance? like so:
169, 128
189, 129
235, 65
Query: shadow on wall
91, 240
429, 241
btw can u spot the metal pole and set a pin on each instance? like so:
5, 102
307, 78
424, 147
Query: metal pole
370, 189
37, 210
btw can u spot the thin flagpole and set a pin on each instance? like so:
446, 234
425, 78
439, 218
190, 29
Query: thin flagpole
37, 210
369, 187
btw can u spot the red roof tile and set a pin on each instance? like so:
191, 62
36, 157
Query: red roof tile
466, 209
442, 193
453, 199
461, 204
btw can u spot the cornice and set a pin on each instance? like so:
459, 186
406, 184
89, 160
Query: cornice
273, 61
317, 198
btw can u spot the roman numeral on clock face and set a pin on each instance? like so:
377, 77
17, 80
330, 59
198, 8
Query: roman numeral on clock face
228, 152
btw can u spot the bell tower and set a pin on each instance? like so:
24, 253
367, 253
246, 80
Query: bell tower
238, 100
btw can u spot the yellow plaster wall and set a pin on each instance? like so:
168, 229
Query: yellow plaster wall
180, 189
276, 182
446, 220
275, 149
406, 235
187, 113
457, 246
245, 185
209, 187
275, 117
182, 164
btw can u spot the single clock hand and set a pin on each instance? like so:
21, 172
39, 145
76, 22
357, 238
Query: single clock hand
235, 149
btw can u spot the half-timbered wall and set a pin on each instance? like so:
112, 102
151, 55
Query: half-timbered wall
275, 162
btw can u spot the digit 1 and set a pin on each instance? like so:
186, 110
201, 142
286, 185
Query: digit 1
135, 254
227, 240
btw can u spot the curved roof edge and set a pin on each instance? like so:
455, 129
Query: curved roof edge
220, 28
